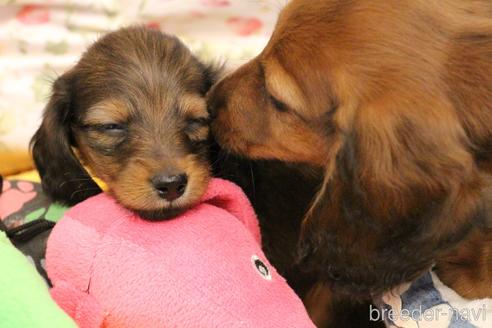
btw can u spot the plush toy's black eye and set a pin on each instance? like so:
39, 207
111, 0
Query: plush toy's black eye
261, 267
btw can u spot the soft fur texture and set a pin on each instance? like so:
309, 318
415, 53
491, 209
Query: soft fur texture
393, 100
109, 268
132, 109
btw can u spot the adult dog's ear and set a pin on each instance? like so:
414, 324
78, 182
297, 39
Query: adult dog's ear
63, 177
402, 189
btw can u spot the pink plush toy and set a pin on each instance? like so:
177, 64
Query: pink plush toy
109, 268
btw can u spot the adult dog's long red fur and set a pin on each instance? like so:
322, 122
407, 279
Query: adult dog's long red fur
394, 100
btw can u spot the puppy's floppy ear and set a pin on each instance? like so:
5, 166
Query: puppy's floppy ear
63, 177
402, 189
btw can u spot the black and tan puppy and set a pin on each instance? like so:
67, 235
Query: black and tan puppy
133, 110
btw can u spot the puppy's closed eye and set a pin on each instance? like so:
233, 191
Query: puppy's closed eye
197, 128
105, 137
112, 128
106, 125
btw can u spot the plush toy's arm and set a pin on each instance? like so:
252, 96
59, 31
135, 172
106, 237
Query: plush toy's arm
82, 307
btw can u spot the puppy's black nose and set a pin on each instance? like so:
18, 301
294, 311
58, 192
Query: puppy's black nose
170, 187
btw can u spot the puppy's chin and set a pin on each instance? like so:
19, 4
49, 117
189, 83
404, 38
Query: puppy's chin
161, 214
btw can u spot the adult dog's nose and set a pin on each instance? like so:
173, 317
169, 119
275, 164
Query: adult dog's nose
170, 187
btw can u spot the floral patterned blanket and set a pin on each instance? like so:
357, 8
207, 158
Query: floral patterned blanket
41, 39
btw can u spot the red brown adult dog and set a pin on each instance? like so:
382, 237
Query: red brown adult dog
394, 100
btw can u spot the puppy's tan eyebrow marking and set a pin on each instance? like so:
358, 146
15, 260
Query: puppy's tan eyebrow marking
198, 133
107, 111
193, 106
281, 86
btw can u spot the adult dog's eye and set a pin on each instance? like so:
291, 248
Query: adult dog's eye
278, 105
